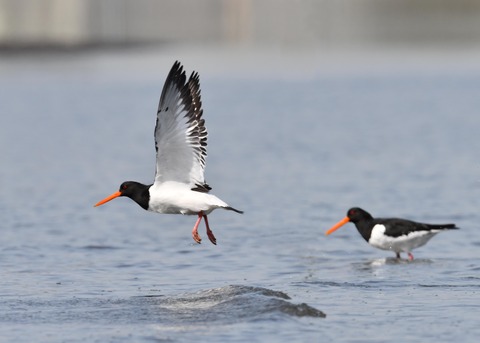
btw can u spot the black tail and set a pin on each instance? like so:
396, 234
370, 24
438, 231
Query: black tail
444, 227
233, 209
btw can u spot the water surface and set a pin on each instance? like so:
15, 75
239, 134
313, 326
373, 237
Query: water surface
293, 146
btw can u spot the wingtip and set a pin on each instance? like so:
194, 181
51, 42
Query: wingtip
177, 64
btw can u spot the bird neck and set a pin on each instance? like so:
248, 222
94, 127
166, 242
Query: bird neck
141, 195
365, 227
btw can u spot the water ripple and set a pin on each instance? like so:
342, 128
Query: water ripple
225, 305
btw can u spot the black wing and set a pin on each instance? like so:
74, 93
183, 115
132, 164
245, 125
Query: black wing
396, 227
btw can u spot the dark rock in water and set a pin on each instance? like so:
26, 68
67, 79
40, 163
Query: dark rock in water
236, 302
302, 310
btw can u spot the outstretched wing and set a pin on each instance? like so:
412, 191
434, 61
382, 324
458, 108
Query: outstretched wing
180, 133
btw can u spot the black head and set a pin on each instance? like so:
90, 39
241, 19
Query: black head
136, 191
129, 188
356, 215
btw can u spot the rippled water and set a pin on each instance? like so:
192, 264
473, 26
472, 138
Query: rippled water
294, 145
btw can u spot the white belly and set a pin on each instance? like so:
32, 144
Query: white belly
177, 198
405, 243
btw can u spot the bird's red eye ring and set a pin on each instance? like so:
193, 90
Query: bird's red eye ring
124, 186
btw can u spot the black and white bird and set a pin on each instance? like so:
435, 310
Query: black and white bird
180, 143
397, 235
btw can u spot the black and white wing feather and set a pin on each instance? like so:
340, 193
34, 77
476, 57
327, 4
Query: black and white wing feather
402, 227
180, 133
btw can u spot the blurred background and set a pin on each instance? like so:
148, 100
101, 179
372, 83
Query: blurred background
316, 24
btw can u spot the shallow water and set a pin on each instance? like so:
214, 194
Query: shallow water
293, 146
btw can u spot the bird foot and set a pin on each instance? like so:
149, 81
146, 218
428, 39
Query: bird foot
211, 236
410, 256
196, 236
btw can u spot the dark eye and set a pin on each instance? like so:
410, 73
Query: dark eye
124, 186
352, 212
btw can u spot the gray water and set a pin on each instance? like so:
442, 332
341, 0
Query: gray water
292, 144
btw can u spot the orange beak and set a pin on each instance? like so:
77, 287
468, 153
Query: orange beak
338, 225
107, 199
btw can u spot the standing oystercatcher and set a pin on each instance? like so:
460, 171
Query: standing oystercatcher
180, 142
398, 235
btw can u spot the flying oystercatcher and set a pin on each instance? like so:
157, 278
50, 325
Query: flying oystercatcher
398, 235
180, 143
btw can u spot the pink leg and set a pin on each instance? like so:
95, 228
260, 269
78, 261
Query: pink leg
410, 256
195, 235
210, 234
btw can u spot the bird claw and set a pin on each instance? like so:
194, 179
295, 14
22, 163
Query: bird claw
211, 237
196, 237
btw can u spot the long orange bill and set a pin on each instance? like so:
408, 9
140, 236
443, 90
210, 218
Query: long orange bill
107, 199
338, 225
